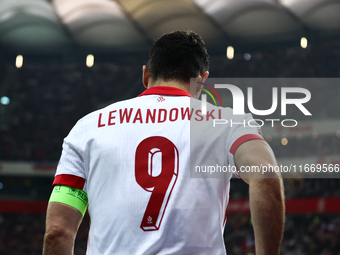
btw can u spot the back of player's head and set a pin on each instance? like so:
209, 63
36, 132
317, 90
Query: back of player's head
179, 55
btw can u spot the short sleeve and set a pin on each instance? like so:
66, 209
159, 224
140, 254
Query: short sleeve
243, 129
71, 167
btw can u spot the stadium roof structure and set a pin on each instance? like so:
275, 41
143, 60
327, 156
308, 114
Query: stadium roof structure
132, 25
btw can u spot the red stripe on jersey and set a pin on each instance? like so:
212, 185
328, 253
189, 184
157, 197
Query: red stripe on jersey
241, 140
165, 90
69, 180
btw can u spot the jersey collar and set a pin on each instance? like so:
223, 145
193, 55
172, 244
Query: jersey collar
165, 90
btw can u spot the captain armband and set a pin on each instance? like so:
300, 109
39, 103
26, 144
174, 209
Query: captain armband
71, 196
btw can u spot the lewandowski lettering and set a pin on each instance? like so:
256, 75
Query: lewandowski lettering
136, 115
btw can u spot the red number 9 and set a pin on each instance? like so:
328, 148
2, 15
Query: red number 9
161, 185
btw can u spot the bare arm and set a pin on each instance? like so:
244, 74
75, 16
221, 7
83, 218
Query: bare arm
266, 196
62, 223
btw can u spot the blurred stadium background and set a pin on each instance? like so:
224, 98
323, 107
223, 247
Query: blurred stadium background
62, 59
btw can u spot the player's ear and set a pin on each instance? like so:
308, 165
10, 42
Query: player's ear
205, 75
145, 76
195, 91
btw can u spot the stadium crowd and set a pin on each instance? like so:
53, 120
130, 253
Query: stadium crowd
47, 101
309, 146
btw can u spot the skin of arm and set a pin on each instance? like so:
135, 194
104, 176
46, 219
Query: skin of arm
266, 196
62, 223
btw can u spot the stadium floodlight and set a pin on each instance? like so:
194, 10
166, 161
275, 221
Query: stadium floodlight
284, 141
230, 52
304, 42
19, 61
247, 56
4, 100
89, 60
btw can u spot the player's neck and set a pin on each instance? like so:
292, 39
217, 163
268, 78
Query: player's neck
173, 84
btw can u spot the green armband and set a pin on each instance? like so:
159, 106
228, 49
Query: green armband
71, 196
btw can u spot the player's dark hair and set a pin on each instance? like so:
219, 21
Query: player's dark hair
179, 55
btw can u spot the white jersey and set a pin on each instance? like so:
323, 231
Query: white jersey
133, 159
